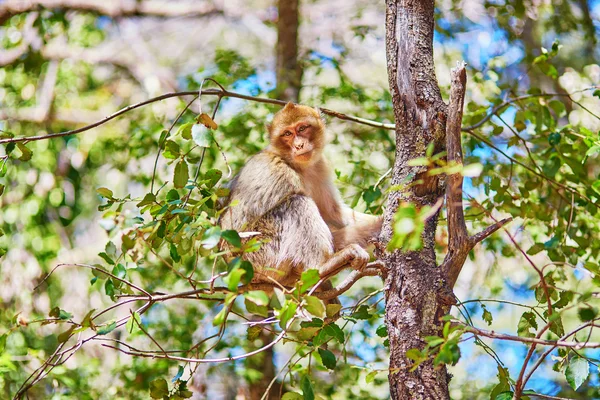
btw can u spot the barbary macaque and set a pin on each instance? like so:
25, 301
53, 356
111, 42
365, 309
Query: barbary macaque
286, 193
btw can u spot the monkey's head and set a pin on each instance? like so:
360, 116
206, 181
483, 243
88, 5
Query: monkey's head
297, 134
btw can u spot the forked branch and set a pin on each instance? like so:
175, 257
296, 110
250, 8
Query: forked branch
459, 243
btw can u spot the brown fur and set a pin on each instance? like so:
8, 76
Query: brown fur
286, 193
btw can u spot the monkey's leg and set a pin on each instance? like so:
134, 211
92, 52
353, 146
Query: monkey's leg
352, 256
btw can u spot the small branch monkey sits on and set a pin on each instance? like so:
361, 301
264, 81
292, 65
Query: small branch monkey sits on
286, 193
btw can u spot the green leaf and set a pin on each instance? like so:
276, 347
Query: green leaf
554, 138
449, 353
109, 288
334, 331
486, 316
25, 152
332, 310
172, 195
258, 297
220, 317
309, 278
328, 358
307, 333
587, 313
315, 322
107, 329
287, 312
370, 376
148, 199
382, 331
201, 135
370, 195
163, 136
159, 388
503, 383
255, 309
104, 192
181, 174
212, 176
133, 324
232, 237
211, 237
415, 355
185, 130
110, 249
577, 372
362, 313
556, 325
253, 332
174, 253
526, 323
119, 271
63, 337
505, 396
3, 338
56, 312
536, 248
171, 150
2, 189
234, 277
307, 389
106, 258
314, 306
247, 267
291, 396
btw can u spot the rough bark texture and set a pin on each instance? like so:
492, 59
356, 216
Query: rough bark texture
413, 303
289, 70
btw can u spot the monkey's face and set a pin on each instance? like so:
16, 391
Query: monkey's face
297, 134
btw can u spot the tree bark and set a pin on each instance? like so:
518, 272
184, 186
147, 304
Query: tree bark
413, 289
289, 70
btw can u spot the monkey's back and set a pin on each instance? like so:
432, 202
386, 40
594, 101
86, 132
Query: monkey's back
268, 197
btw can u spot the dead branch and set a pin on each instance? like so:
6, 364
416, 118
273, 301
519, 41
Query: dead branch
460, 243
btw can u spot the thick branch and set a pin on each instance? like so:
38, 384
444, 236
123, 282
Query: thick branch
457, 229
114, 9
460, 243
350, 280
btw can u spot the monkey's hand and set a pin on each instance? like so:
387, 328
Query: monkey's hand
359, 257
352, 256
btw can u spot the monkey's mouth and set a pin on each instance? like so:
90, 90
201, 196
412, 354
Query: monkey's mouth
304, 153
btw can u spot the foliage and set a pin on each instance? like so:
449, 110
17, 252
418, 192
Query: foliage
131, 208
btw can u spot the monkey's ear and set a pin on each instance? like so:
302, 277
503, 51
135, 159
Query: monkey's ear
321, 115
289, 106
269, 128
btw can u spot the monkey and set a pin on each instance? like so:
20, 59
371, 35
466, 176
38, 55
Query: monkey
286, 194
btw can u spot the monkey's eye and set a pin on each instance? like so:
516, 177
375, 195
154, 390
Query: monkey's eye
287, 133
302, 128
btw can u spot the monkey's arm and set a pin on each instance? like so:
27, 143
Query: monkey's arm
358, 228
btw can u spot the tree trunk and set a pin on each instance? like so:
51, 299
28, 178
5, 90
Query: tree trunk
289, 70
414, 284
